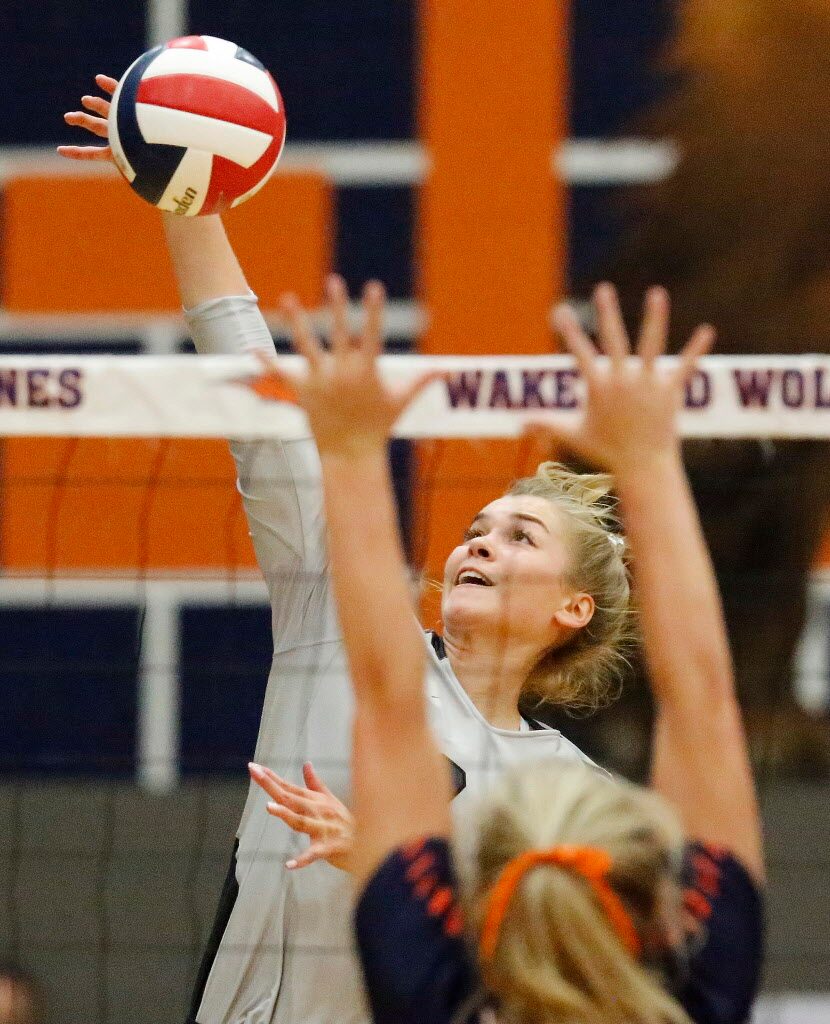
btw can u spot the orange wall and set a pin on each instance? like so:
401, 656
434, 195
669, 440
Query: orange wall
88, 245
492, 233
80, 244
89, 504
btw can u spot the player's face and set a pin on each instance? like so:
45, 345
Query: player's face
510, 572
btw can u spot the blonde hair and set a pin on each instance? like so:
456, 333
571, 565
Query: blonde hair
585, 671
558, 957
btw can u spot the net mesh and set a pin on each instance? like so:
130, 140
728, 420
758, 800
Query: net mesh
134, 650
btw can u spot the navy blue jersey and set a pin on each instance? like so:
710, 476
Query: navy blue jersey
726, 915
419, 968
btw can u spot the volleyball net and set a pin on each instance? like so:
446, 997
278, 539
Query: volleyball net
119, 498
478, 397
135, 632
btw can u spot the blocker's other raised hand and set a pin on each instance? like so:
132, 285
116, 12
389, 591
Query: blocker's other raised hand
94, 122
632, 398
350, 408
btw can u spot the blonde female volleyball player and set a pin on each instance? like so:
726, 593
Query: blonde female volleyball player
515, 623
573, 882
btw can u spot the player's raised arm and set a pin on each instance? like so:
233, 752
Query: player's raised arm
700, 760
279, 483
203, 260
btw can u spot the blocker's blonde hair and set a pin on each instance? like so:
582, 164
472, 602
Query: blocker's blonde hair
583, 673
557, 959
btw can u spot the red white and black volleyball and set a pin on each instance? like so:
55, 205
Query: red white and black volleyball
197, 125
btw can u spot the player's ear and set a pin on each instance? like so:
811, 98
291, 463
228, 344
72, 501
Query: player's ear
577, 611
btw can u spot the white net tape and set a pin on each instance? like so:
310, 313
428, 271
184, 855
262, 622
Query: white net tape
182, 396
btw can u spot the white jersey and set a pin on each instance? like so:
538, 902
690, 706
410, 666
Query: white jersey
286, 954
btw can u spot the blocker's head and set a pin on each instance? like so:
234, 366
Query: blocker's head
584, 931
543, 566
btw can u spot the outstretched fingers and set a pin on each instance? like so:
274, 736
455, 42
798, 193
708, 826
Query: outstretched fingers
317, 850
302, 336
313, 780
97, 104
310, 806
374, 302
274, 783
96, 125
338, 299
308, 824
576, 340
102, 153
107, 83
700, 343
655, 327
611, 332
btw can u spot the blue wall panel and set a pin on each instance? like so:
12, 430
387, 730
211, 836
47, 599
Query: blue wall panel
615, 50
68, 690
345, 70
225, 658
51, 52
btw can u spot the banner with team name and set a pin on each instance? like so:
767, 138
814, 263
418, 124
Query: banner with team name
218, 396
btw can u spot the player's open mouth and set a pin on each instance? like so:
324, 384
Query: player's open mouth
473, 578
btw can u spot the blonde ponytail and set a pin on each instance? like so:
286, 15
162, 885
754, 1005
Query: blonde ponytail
558, 957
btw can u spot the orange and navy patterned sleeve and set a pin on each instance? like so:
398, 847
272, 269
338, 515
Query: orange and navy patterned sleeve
725, 909
410, 938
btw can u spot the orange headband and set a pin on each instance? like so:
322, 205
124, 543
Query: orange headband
592, 864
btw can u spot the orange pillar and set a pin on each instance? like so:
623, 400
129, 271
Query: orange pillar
492, 220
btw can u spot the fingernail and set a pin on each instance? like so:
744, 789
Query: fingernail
290, 864
274, 807
255, 770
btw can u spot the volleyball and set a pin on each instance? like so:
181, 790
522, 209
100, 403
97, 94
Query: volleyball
196, 125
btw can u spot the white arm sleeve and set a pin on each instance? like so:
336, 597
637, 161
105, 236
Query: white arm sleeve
229, 326
280, 484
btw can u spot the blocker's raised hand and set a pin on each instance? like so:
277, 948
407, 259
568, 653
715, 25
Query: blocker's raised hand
350, 408
95, 123
632, 403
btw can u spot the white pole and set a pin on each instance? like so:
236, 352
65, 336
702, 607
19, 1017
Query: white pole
166, 19
812, 656
158, 693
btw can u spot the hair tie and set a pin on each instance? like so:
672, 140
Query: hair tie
590, 863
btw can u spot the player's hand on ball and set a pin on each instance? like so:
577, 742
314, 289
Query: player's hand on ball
312, 809
95, 123
632, 403
350, 408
